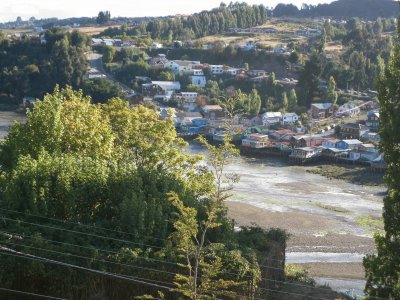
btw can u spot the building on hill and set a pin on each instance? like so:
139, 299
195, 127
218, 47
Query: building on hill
181, 66
158, 62
160, 89
187, 100
155, 46
348, 109
321, 110
213, 112
271, 118
352, 130
216, 69
373, 119
348, 144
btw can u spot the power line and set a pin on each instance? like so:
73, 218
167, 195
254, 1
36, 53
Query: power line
119, 276
134, 266
18, 236
91, 258
30, 294
83, 233
12, 252
79, 224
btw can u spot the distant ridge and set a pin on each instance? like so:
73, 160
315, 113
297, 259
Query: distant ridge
366, 9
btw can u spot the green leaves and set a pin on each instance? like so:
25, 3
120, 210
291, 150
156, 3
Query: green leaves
383, 269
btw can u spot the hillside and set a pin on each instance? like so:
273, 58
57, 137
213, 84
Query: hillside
366, 9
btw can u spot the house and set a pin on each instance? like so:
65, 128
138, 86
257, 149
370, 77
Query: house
365, 152
371, 137
181, 66
250, 45
199, 80
213, 112
282, 134
352, 130
187, 100
373, 120
256, 141
281, 49
271, 118
348, 109
289, 118
96, 42
158, 62
160, 88
305, 153
232, 71
329, 143
321, 110
186, 118
216, 69
155, 46
347, 144
257, 73
306, 141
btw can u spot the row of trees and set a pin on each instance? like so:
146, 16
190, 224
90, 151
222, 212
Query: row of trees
218, 20
370, 9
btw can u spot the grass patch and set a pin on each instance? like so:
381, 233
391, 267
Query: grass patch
333, 208
369, 222
355, 174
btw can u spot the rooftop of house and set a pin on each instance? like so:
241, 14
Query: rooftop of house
322, 106
186, 63
211, 107
168, 85
350, 125
352, 142
272, 114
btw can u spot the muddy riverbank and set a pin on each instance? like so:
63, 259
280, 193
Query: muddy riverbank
329, 219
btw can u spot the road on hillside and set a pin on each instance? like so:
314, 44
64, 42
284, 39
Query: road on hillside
96, 66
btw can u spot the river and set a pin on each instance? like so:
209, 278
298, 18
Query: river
331, 221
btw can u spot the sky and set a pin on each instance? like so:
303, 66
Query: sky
11, 9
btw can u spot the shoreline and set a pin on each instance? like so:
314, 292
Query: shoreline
302, 240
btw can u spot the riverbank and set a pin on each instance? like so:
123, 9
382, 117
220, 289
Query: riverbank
360, 175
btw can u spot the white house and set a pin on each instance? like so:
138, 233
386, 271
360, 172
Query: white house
217, 69
270, 118
289, 118
232, 71
198, 72
155, 46
187, 100
348, 109
255, 140
250, 45
181, 66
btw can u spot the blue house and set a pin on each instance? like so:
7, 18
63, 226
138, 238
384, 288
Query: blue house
347, 144
199, 122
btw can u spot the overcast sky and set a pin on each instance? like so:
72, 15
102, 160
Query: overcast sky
11, 9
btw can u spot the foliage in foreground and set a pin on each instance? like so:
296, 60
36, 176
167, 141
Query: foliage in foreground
88, 184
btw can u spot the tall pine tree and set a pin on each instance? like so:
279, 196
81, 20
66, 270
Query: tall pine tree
383, 269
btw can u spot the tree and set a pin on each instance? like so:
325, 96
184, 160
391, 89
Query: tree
284, 102
255, 101
331, 94
108, 54
292, 100
204, 275
101, 90
103, 17
309, 78
383, 269
167, 75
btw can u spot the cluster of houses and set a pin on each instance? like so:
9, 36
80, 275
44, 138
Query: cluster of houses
357, 143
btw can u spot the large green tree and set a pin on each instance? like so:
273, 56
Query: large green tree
383, 269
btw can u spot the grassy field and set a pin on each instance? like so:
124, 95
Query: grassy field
355, 174
91, 30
